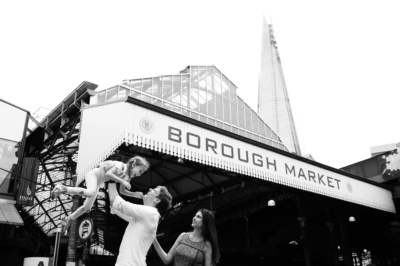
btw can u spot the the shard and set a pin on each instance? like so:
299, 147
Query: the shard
273, 100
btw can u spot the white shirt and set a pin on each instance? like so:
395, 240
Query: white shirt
139, 234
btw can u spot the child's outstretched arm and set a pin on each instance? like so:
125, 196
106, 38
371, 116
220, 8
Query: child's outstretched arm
124, 191
112, 175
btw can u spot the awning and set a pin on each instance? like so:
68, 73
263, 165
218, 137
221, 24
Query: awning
9, 214
151, 129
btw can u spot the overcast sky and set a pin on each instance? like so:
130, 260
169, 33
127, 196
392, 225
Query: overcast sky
341, 59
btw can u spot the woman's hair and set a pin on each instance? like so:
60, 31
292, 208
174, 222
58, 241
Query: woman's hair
210, 233
138, 160
165, 199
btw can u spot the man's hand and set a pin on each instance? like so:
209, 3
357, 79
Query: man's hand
112, 192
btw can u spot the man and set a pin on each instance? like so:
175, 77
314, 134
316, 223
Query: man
143, 221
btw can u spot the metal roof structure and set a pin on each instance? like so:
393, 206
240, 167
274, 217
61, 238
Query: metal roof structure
55, 143
202, 93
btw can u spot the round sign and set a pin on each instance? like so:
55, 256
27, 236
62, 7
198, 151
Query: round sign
349, 187
146, 125
85, 228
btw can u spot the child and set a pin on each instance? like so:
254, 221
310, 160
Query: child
106, 171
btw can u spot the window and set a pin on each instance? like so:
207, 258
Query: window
112, 93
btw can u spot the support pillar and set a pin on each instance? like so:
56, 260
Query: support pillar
331, 227
56, 248
73, 234
246, 218
345, 243
306, 247
211, 201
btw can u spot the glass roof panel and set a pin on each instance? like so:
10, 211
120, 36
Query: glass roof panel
202, 92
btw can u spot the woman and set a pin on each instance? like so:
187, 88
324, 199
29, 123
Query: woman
106, 171
199, 247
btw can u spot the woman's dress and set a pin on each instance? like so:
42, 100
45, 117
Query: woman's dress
189, 252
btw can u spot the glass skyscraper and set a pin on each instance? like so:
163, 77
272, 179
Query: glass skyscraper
273, 100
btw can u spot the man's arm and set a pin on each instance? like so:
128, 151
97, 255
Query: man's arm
112, 192
130, 209
120, 215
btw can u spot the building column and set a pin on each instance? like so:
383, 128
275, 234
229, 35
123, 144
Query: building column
306, 248
331, 227
56, 248
246, 218
73, 234
345, 243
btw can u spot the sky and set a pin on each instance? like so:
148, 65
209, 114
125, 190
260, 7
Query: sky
341, 59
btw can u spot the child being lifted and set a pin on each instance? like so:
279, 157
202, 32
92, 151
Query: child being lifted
105, 171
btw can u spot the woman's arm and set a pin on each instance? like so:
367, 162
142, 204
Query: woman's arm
129, 209
166, 258
208, 254
112, 175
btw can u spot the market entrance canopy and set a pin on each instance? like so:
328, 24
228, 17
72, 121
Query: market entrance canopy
107, 126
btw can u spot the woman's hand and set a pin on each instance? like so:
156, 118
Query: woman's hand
166, 258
